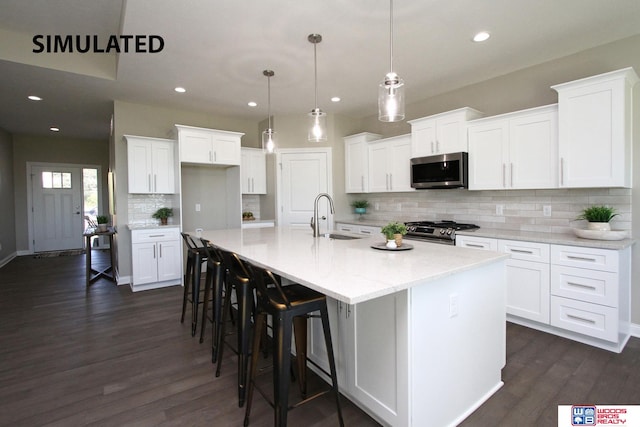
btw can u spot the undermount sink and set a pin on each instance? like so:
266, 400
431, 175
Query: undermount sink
339, 236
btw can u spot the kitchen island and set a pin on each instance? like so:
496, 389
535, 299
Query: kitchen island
419, 334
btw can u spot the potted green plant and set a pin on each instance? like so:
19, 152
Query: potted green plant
360, 206
394, 231
162, 214
103, 222
598, 217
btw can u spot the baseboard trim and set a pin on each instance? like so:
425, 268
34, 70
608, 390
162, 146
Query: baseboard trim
7, 259
634, 330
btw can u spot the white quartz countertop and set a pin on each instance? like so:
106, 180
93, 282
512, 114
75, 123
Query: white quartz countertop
348, 270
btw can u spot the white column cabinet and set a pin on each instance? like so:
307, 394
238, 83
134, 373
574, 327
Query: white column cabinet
356, 160
441, 133
389, 165
253, 171
151, 165
209, 146
156, 258
595, 130
514, 151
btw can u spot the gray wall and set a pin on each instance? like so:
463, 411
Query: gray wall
7, 207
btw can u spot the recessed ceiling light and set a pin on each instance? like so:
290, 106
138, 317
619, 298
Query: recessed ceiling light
335, 99
481, 36
180, 89
54, 129
34, 98
252, 104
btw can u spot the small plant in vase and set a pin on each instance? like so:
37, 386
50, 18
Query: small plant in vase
360, 206
103, 222
394, 231
162, 214
598, 217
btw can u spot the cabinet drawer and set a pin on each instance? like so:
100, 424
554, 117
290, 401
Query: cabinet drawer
599, 287
484, 243
591, 258
595, 320
154, 235
526, 251
370, 231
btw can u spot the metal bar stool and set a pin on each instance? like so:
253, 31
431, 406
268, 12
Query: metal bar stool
214, 283
287, 305
196, 255
237, 278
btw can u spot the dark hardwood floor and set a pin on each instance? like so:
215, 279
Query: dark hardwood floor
104, 356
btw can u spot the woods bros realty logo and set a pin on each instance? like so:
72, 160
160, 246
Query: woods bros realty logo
598, 415
56, 43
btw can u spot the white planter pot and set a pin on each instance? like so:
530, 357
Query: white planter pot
599, 226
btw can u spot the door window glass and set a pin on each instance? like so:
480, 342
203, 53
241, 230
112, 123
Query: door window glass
56, 179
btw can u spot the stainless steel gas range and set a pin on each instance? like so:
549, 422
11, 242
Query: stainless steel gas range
436, 231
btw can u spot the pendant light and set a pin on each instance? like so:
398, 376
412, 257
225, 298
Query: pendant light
268, 136
391, 89
317, 118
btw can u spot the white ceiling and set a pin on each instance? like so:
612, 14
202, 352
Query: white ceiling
217, 50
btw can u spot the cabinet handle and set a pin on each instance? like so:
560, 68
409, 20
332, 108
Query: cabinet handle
390, 181
582, 319
154, 251
365, 232
580, 258
149, 183
511, 173
156, 235
437, 146
362, 181
521, 251
561, 171
474, 245
581, 285
155, 182
210, 156
160, 250
215, 156
432, 147
504, 175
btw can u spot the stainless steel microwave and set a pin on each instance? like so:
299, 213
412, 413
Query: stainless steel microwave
441, 171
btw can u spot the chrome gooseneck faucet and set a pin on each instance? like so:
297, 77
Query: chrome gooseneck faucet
314, 221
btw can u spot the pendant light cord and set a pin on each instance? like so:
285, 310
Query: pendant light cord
391, 36
315, 73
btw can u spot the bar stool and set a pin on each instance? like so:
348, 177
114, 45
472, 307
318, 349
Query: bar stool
237, 278
214, 283
287, 305
196, 255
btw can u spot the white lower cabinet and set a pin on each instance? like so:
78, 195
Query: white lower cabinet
577, 292
378, 383
156, 258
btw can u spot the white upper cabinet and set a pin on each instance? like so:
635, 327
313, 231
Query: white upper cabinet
209, 146
151, 165
515, 150
441, 133
595, 125
253, 171
356, 155
389, 165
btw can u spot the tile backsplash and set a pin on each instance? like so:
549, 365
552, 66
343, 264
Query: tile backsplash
522, 210
142, 206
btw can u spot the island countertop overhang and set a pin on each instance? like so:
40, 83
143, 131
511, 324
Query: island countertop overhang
347, 270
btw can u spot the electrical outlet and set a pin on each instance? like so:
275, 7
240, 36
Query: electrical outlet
546, 210
197, 207
454, 306
500, 210
376, 206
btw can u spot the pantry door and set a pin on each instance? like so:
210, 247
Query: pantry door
301, 175
58, 222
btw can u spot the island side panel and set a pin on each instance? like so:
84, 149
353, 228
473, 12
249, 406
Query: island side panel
457, 344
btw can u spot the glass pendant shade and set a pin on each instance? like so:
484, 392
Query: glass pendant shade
391, 99
269, 135
268, 140
317, 126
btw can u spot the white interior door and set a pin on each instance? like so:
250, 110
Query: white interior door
302, 175
58, 222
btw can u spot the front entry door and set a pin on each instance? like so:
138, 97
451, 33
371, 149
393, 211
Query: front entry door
302, 175
58, 222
